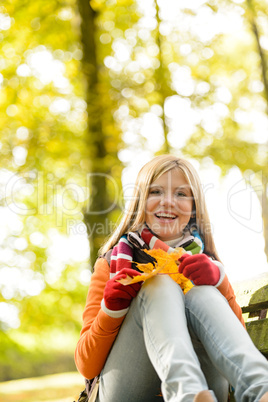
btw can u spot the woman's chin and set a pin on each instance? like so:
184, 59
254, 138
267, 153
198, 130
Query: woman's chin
169, 236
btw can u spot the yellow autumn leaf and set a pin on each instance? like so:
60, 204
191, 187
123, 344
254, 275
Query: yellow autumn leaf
147, 268
165, 264
139, 278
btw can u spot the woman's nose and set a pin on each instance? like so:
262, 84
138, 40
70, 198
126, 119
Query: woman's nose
167, 199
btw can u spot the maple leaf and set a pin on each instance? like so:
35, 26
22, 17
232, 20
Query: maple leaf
166, 264
139, 278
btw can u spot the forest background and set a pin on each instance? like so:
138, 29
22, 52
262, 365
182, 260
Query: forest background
90, 91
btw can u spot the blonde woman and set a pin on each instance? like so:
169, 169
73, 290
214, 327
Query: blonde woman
150, 342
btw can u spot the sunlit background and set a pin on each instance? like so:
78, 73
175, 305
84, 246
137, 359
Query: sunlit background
184, 77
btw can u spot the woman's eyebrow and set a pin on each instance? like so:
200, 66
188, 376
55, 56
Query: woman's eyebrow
185, 187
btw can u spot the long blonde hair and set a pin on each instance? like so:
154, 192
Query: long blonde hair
134, 217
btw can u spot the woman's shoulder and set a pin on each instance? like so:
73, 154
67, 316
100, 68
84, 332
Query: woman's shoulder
101, 264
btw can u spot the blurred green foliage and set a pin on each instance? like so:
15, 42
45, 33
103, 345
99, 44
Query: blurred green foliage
21, 362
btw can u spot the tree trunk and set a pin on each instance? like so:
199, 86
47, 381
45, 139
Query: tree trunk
264, 71
96, 213
161, 78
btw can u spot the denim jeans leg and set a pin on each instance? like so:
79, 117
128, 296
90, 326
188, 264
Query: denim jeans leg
227, 343
128, 374
153, 336
215, 380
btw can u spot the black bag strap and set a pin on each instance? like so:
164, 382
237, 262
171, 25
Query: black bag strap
83, 396
90, 384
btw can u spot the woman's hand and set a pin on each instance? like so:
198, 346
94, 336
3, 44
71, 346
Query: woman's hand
117, 296
200, 269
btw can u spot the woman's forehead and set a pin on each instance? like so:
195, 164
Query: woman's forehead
172, 177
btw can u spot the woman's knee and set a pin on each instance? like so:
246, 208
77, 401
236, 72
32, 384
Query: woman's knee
160, 285
202, 295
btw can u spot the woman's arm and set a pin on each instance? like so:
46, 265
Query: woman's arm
99, 330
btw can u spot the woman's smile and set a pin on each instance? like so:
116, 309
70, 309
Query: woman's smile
165, 217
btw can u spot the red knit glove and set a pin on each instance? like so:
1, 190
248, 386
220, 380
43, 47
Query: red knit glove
118, 296
199, 269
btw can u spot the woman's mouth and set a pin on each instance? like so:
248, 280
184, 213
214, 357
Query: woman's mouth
164, 216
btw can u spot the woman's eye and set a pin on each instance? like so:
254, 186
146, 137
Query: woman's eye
155, 192
180, 194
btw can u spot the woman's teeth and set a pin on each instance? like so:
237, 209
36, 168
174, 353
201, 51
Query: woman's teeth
166, 216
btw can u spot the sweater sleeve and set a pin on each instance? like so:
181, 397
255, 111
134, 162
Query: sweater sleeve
227, 291
99, 330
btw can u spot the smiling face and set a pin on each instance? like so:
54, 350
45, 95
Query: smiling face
169, 205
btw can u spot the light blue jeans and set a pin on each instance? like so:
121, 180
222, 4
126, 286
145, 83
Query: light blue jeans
180, 345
